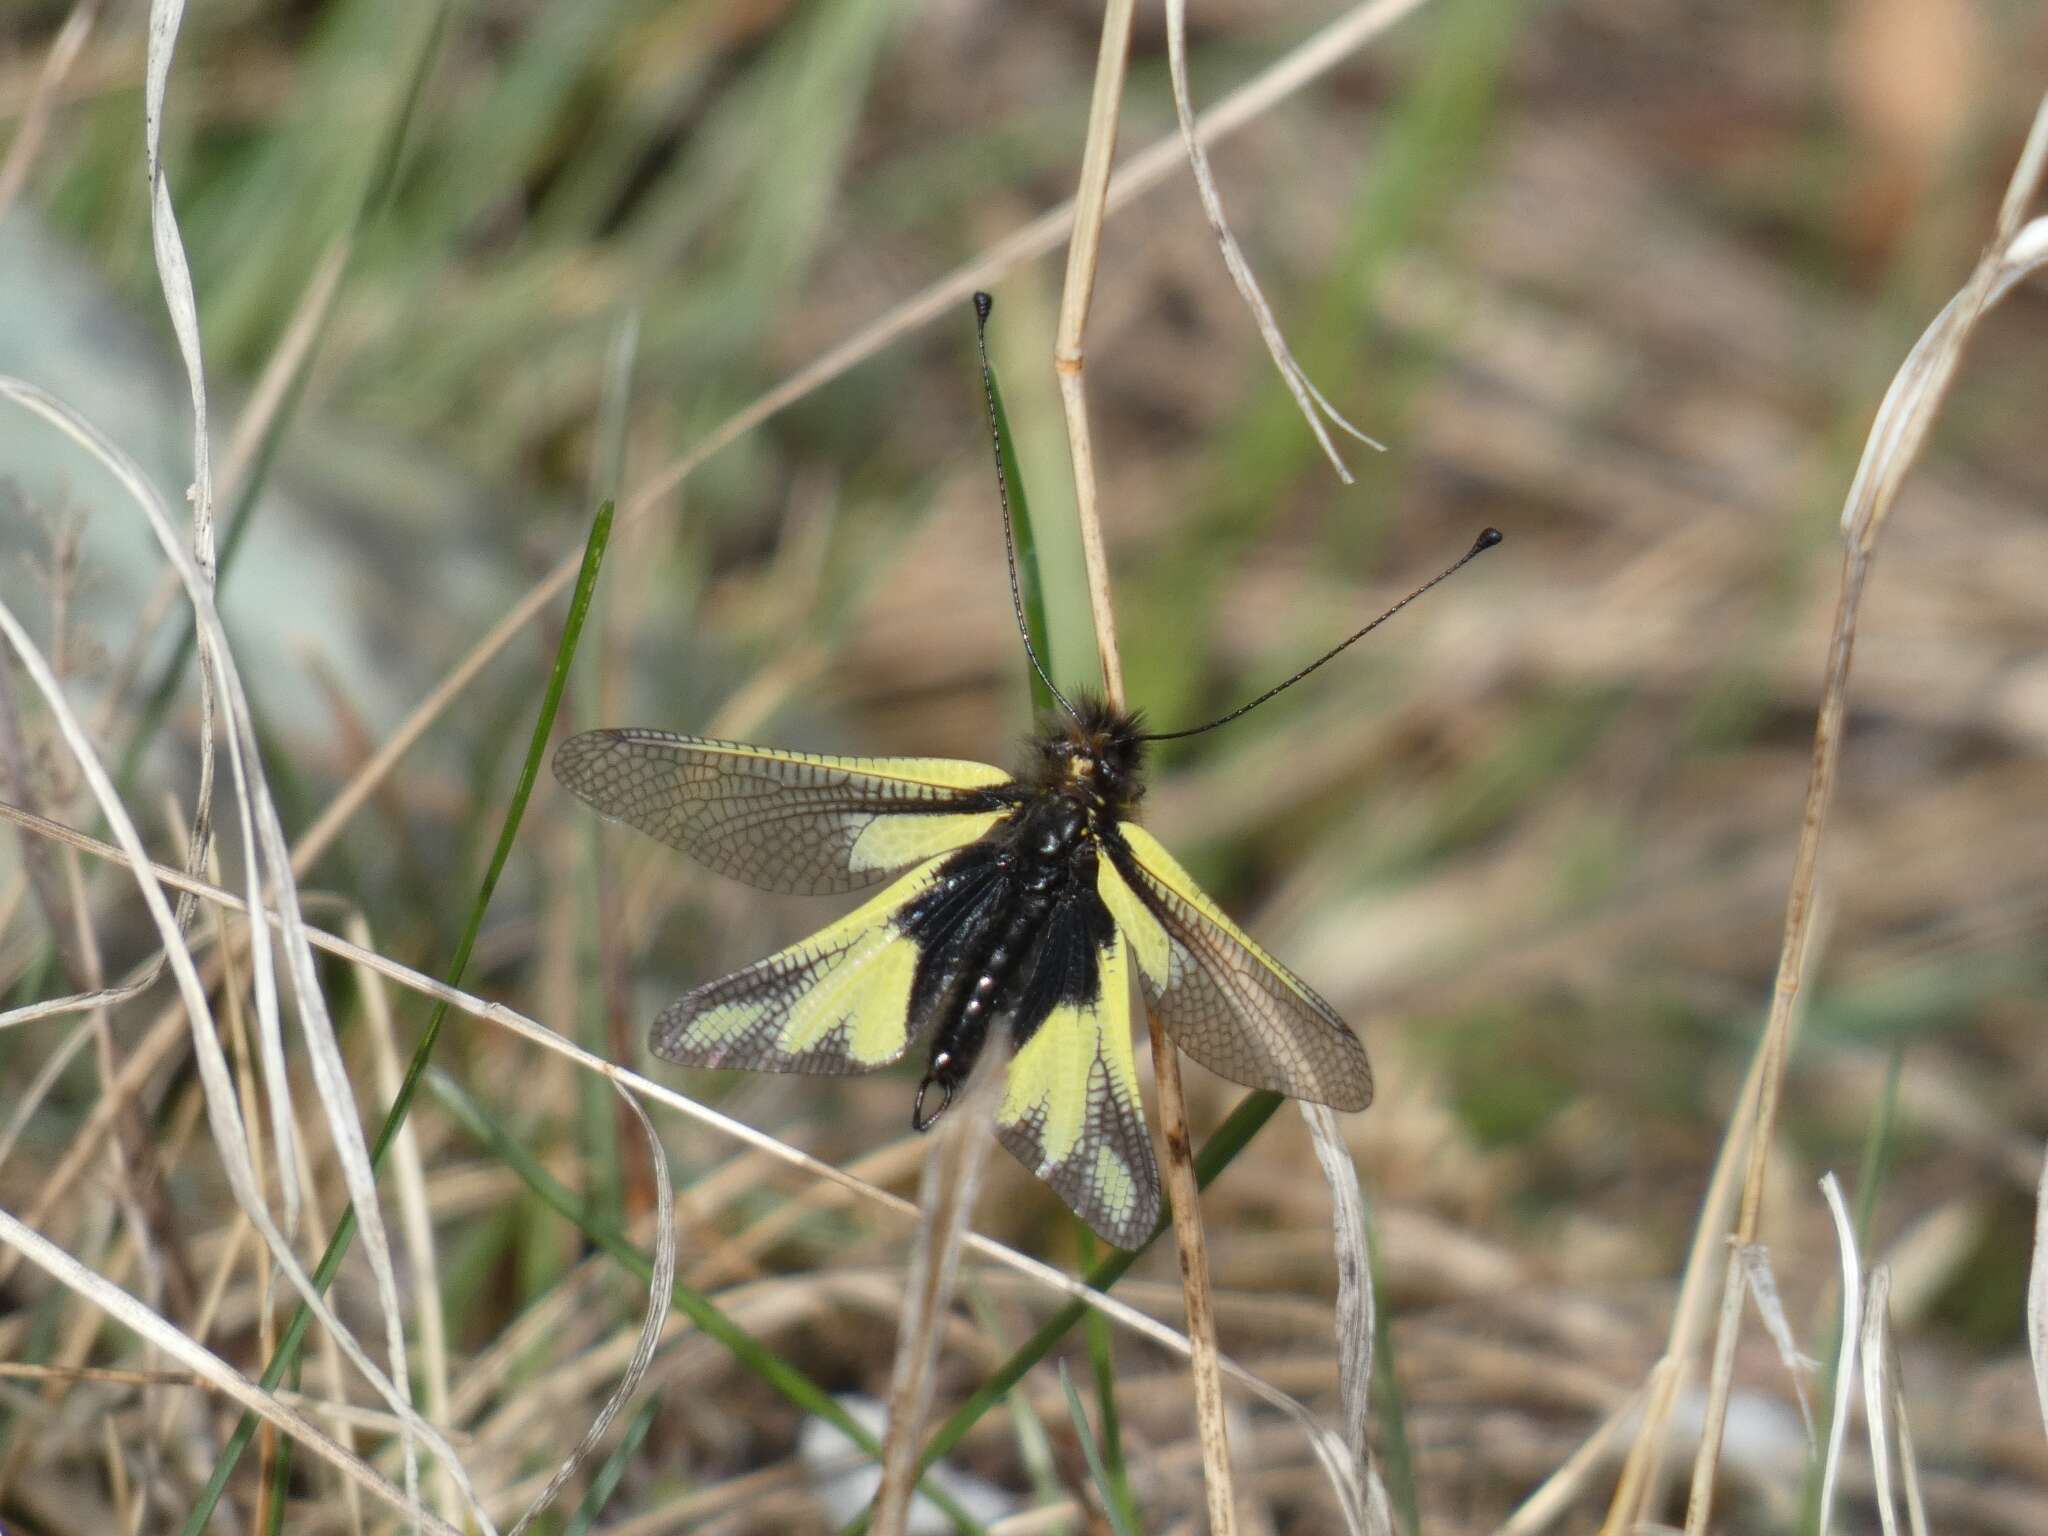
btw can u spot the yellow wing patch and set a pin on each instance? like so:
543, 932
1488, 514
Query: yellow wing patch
919, 772
1141, 929
1072, 1113
836, 1002
896, 842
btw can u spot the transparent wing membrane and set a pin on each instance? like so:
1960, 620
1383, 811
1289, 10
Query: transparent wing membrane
793, 822
1223, 999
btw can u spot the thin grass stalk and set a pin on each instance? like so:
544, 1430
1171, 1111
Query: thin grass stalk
273, 402
1120, 1520
609, 1476
1875, 1309
1310, 400
1870, 1173
1069, 362
1102, 1364
1896, 437
660, 1286
58, 887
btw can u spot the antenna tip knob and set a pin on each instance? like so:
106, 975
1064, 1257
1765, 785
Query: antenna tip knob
1486, 540
983, 303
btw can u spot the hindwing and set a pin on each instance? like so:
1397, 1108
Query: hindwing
1223, 999
1071, 1111
836, 1002
794, 822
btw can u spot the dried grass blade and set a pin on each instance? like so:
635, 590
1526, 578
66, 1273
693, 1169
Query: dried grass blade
415, 1213
1314, 407
1355, 1311
330, 1075
1903, 421
1091, 199
660, 1286
1763, 1289
1876, 1309
1845, 1363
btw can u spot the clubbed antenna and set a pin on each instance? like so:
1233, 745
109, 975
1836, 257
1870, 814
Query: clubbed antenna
1486, 540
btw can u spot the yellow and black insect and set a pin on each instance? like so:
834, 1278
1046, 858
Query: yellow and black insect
1018, 903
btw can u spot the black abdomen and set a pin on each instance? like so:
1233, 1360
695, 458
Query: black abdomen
1012, 929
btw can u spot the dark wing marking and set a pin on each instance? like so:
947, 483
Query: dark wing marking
1223, 999
793, 822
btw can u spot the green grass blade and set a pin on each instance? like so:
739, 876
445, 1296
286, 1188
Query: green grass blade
1096, 1330
288, 1348
1397, 1457
749, 1351
1120, 1519
606, 1483
1030, 578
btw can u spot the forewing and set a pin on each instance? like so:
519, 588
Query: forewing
836, 1002
1071, 1111
793, 822
1223, 999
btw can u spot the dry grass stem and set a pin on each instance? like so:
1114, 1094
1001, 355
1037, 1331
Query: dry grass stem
1314, 407
1554, 1498
1069, 355
1069, 358
1876, 1307
408, 1174
660, 1286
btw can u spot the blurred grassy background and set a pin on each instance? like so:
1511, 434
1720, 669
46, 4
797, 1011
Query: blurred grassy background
1626, 280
